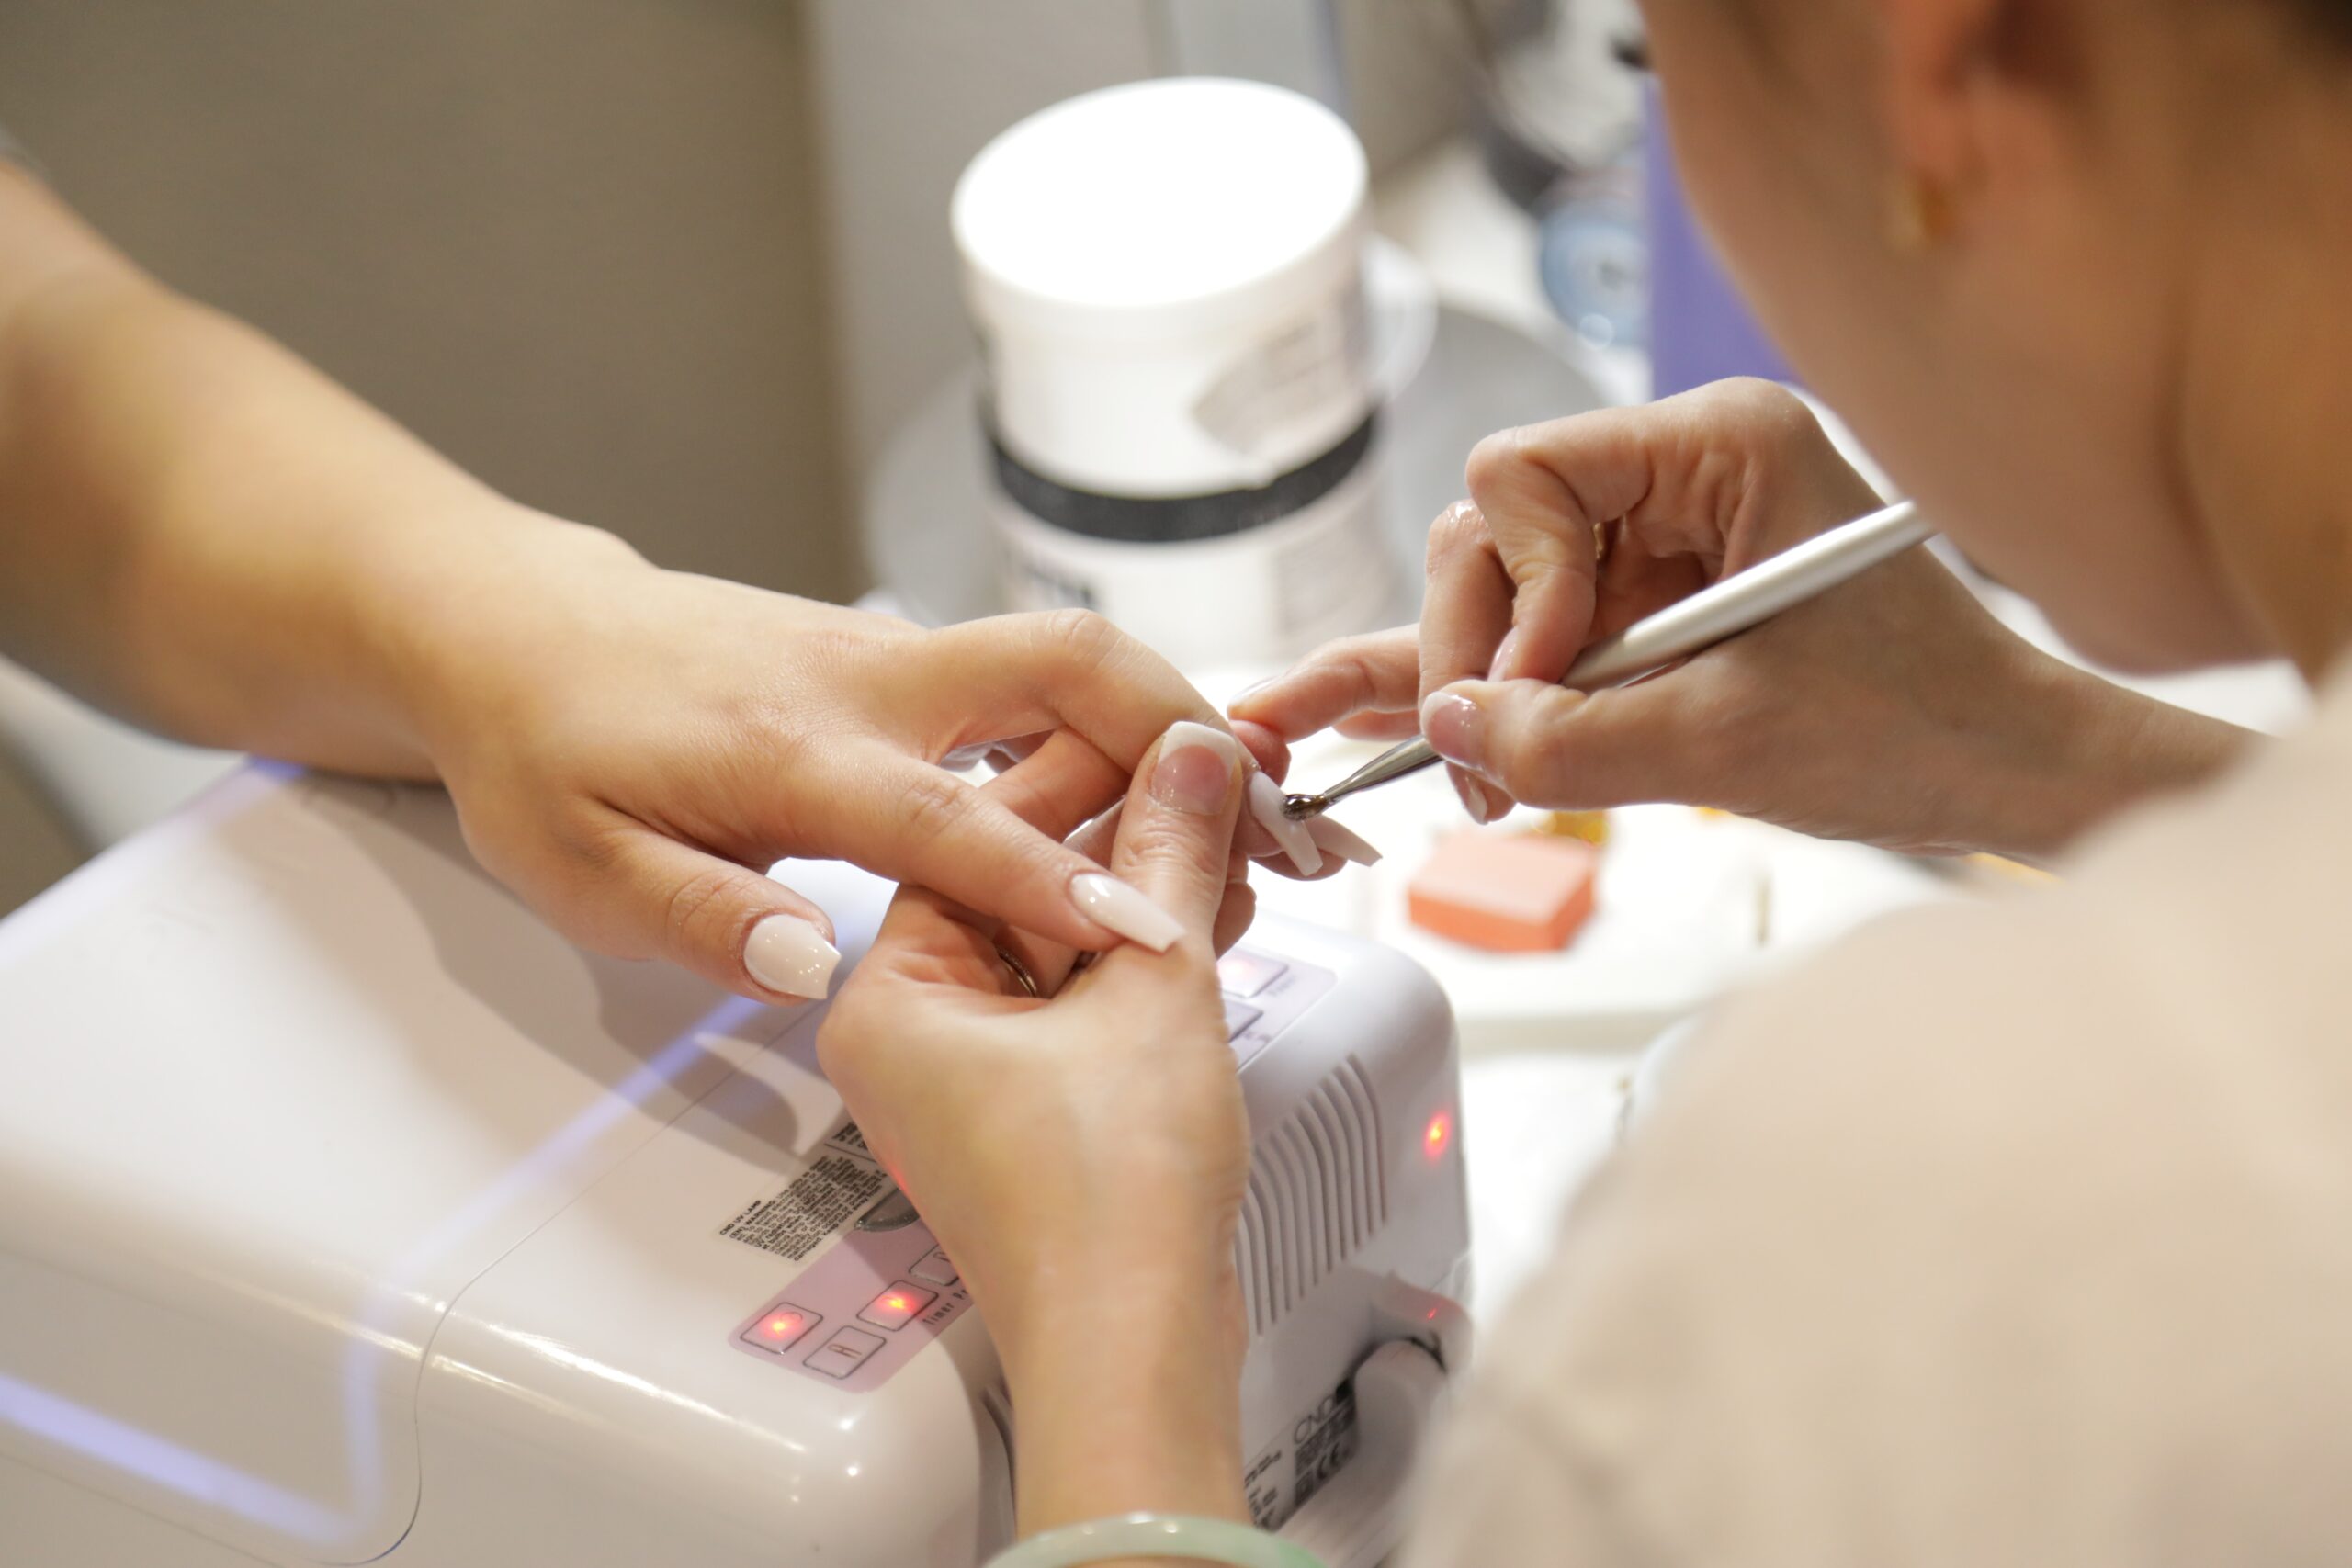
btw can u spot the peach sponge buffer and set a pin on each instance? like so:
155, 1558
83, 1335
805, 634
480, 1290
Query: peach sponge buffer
1505, 892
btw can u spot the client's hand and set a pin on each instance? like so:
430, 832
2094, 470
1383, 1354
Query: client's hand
1893, 710
631, 748
1081, 1158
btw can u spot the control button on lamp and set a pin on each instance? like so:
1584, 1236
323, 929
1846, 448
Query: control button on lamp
933, 1269
781, 1328
896, 1307
1244, 973
844, 1353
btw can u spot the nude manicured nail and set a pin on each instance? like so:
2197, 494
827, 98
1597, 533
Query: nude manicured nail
1194, 769
1455, 729
1111, 904
1266, 805
1473, 798
791, 957
1503, 651
1251, 689
1334, 838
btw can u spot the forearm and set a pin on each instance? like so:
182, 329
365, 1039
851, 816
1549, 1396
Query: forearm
203, 533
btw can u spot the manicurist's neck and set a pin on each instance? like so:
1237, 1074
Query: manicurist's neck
2266, 418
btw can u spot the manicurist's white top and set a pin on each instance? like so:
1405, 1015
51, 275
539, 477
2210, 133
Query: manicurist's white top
2004, 1234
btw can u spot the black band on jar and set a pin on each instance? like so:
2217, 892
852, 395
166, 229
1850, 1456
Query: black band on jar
1177, 519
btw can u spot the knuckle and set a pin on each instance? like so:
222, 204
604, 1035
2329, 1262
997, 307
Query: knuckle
1529, 771
1164, 838
1542, 762
934, 805
1770, 411
790, 750
596, 852
1189, 850
698, 909
1086, 635
1493, 459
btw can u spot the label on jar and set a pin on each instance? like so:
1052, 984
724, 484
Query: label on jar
1315, 372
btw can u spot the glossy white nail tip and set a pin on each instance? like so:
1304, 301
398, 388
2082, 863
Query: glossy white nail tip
791, 957
1111, 903
1333, 838
1266, 806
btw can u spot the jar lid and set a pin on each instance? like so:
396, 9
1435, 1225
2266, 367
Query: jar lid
1179, 205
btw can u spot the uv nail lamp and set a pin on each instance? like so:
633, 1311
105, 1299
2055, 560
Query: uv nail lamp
348, 1214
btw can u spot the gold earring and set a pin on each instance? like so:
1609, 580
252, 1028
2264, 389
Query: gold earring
1921, 217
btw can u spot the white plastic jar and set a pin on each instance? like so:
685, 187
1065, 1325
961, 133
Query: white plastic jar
1167, 278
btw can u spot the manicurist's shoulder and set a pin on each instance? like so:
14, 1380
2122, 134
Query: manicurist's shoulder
2017, 1231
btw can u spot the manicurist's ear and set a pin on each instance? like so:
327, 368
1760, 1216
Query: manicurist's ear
1971, 91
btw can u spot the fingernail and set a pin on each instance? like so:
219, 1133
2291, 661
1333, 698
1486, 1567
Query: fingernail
1503, 651
1194, 769
1473, 798
1455, 729
1333, 838
1251, 689
791, 957
1111, 904
1266, 801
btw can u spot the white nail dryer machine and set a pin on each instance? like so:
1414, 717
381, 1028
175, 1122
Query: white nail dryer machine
347, 1214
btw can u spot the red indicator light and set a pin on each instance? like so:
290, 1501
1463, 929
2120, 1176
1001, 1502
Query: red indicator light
898, 1306
1438, 1133
784, 1327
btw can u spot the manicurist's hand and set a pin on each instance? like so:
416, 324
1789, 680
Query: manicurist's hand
1893, 709
1081, 1158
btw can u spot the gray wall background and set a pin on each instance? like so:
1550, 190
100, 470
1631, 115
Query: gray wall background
571, 243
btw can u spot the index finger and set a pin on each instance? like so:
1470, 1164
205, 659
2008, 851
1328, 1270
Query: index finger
1542, 527
1057, 669
1376, 672
1684, 477
996, 850
935, 936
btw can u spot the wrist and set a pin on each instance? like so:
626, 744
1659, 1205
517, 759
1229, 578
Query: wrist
459, 603
1117, 1318
1125, 1387
2101, 750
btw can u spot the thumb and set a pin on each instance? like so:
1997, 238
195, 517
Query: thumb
725, 922
1549, 746
1176, 829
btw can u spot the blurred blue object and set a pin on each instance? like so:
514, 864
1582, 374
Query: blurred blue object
1593, 252
1700, 328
